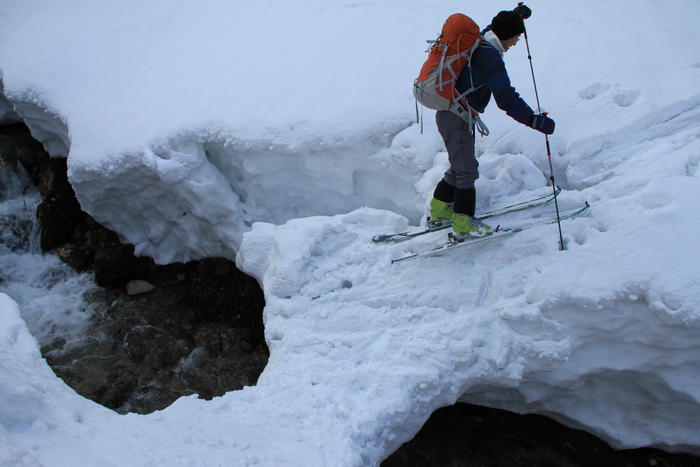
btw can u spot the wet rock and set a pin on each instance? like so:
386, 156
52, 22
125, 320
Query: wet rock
60, 211
116, 265
72, 257
170, 347
139, 287
18, 147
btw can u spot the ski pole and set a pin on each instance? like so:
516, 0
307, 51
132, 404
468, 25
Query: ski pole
546, 138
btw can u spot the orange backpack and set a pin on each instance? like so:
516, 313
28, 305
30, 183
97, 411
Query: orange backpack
435, 87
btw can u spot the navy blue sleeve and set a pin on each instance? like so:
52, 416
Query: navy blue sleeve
505, 95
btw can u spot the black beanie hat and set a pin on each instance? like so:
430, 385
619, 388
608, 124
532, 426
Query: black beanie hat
507, 24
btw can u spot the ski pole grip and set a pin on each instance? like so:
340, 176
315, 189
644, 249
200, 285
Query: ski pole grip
523, 10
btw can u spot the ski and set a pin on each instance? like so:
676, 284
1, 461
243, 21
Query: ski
497, 233
403, 236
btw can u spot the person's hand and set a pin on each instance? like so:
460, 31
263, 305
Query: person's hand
542, 123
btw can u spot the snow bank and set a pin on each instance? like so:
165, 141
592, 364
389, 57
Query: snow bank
194, 105
602, 336
204, 125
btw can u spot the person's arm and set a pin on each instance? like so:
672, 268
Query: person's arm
508, 100
505, 95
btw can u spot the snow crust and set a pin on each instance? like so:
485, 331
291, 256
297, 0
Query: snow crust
283, 135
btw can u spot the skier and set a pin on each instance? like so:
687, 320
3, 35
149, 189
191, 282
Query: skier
454, 197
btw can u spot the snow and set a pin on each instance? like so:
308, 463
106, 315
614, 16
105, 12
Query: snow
283, 136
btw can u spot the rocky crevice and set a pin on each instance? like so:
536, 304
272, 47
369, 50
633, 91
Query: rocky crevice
157, 332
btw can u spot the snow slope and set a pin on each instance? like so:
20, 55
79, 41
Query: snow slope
283, 136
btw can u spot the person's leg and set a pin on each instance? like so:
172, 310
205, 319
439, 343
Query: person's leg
441, 204
465, 201
459, 142
463, 172
444, 192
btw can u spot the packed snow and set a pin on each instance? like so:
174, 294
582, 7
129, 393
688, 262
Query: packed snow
284, 135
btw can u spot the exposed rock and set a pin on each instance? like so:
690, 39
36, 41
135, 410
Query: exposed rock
148, 350
138, 287
73, 257
466, 435
18, 147
116, 265
60, 211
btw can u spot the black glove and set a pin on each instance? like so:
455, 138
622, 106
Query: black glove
542, 123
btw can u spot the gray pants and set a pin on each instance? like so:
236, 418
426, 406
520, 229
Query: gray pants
459, 142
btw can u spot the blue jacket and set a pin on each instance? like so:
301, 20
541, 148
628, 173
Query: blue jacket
489, 72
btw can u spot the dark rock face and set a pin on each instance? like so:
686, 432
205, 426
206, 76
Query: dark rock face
199, 331
115, 265
18, 147
466, 435
60, 211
